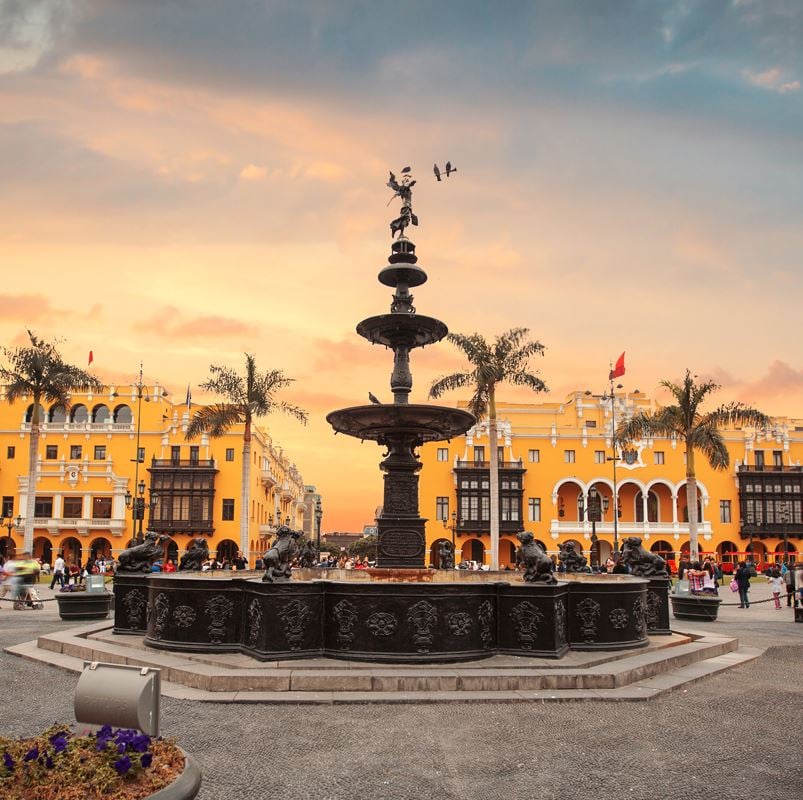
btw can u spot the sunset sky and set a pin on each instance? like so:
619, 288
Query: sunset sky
181, 182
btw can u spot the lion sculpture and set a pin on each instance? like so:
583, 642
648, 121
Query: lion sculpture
641, 562
445, 556
140, 557
196, 554
537, 565
571, 560
279, 558
309, 555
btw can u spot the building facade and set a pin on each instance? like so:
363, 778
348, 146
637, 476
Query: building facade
117, 461
556, 467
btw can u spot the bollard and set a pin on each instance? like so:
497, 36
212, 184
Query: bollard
119, 695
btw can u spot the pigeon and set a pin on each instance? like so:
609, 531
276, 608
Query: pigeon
437, 172
406, 170
450, 169
374, 399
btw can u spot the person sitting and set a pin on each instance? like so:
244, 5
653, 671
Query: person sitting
170, 566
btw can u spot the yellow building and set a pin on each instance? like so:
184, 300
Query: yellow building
554, 456
125, 447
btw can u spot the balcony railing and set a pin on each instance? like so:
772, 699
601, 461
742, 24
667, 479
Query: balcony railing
182, 525
183, 463
769, 468
487, 464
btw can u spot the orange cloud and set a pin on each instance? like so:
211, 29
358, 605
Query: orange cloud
170, 322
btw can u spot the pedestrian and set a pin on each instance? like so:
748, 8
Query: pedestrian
789, 584
742, 578
776, 585
58, 571
695, 575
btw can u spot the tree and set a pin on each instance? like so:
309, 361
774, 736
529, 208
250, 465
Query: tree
506, 360
37, 371
698, 431
249, 397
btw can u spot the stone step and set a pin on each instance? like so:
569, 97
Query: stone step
641, 690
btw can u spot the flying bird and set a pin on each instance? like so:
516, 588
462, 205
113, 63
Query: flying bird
374, 399
406, 170
437, 172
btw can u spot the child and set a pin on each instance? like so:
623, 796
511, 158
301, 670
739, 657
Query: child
776, 585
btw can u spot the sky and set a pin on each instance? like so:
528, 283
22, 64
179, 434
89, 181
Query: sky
184, 181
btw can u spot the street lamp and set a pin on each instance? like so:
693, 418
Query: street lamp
318, 516
137, 504
12, 523
612, 397
786, 514
451, 528
594, 514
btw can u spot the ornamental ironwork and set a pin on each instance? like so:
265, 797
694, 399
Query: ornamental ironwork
485, 617
294, 616
345, 615
588, 613
134, 602
639, 618
655, 604
219, 608
423, 616
254, 622
618, 618
184, 616
382, 623
526, 620
161, 606
459, 623
561, 637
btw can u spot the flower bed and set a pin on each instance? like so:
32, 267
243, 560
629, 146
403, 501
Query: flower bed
112, 764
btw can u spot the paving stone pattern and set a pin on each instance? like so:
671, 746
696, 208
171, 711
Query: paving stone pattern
731, 735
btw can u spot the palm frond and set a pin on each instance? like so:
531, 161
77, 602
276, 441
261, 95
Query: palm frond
737, 414
710, 442
216, 419
523, 378
448, 383
666, 421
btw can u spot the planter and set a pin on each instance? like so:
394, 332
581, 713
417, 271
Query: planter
84, 605
696, 607
185, 787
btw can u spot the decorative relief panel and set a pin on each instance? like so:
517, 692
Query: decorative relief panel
382, 623
219, 608
485, 617
254, 622
526, 620
459, 623
618, 618
294, 616
184, 616
161, 606
135, 605
588, 613
423, 616
345, 615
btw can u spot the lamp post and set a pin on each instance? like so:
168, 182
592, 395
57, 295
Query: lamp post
12, 523
318, 516
138, 505
594, 508
451, 528
612, 397
786, 514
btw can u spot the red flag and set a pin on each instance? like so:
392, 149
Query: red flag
618, 368
91, 359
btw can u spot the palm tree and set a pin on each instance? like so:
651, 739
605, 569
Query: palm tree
504, 360
38, 371
697, 430
249, 396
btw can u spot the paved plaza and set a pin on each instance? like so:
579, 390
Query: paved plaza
735, 734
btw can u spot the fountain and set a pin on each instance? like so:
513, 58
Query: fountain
398, 612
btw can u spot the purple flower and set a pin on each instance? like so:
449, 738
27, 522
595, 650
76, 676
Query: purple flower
49, 762
122, 765
141, 743
145, 760
8, 761
32, 754
59, 742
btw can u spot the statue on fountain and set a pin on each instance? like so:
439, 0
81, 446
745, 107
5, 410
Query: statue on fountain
278, 560
570, 560
404, 190
537, 565
140, 557
445, 556
193, 559
641, 562
309, 555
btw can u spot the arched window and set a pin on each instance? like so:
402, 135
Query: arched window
79, 414
101, 413
57, 413
123, 414
652, 507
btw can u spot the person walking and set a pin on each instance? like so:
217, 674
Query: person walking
58, 571
776, 585
789, 584
742, 578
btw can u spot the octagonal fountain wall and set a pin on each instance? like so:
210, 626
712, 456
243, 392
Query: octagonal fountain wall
401, 616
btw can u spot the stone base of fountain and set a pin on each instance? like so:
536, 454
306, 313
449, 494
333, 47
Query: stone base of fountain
383, 615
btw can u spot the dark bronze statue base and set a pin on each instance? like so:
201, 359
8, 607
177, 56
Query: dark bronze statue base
395, 616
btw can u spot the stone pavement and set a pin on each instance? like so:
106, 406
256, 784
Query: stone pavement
734, 735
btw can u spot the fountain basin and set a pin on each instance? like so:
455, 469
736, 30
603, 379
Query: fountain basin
378, 422
394, 616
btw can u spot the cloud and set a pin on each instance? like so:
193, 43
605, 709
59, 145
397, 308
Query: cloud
253, 173
772, 80
781, 383
30, 308
171, 322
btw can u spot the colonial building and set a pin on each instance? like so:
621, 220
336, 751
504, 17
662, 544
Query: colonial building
556, 463
117, 461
